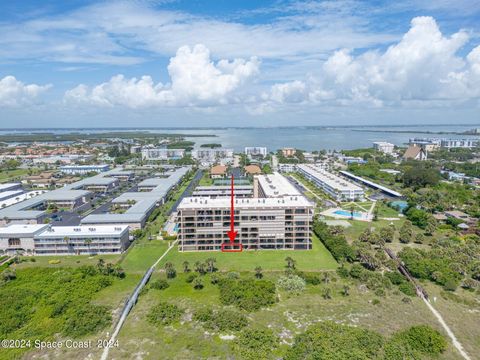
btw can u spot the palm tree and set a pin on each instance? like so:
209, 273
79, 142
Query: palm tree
327, 293
170, 270
186, 265
88, 242
211, 264
258, 272
290, 262
346, 290
326, 277
200, 267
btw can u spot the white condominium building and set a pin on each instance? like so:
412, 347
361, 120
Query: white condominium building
334, 185
212, 155
382, 146
262, 223
162, 154
256, 151
459, 143
273, 185
44, 239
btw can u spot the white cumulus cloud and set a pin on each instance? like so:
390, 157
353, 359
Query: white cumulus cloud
15, 93
423, 66
195, 81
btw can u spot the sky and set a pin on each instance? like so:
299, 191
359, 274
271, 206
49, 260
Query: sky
142, 63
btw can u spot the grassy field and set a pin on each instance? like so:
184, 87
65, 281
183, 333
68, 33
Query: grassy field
205, 180
9, 175
319, 258
65, 261
141, 256
290, 316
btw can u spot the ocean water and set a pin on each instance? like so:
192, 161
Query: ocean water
306, 138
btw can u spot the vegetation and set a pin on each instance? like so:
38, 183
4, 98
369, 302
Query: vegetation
38, 303
328, 340
211, 145
247, 294
449, 262
292, 283
256, 344
164, 314
221, 320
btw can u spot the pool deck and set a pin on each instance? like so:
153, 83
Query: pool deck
331, 213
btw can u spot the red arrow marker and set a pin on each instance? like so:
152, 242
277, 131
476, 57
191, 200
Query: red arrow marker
232, 234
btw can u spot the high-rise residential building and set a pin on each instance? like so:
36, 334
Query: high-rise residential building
262, 223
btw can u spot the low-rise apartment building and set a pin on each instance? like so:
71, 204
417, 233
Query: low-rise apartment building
459, 143
256, 151
210, 156
334, 185
162, 154
43, 239
83, 169
384, 147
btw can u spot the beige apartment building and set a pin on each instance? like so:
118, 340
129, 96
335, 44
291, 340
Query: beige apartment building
279, 217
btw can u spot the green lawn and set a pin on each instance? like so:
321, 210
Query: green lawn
143, 255
205, 179
65, 261
319, 258
8, 175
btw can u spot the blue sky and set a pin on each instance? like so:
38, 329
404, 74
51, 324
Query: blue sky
220, 63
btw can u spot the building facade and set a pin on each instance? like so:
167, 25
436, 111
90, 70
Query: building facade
459, 143
334, 185
162, 154
256, 151
41, 239
262, 223
83, 169
384, 147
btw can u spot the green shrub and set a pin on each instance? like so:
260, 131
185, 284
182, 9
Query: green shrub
255, 344
328, 340
221, 320
160, 284
247, 294
416, 341
191, 277
86, 320
293, 284
310, 278
164, 314
407, 288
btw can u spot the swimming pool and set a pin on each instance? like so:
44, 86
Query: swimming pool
356, 214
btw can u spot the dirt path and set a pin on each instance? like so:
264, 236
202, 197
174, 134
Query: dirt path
450, 333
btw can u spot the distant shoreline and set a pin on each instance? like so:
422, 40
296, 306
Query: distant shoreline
146, 128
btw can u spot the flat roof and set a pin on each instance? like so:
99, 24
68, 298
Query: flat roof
22, 229
69, 192
101, 230
8, 186
244, 203
275, 185
332, 180
144, 201
371, 183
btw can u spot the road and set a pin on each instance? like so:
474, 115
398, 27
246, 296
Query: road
188, 191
